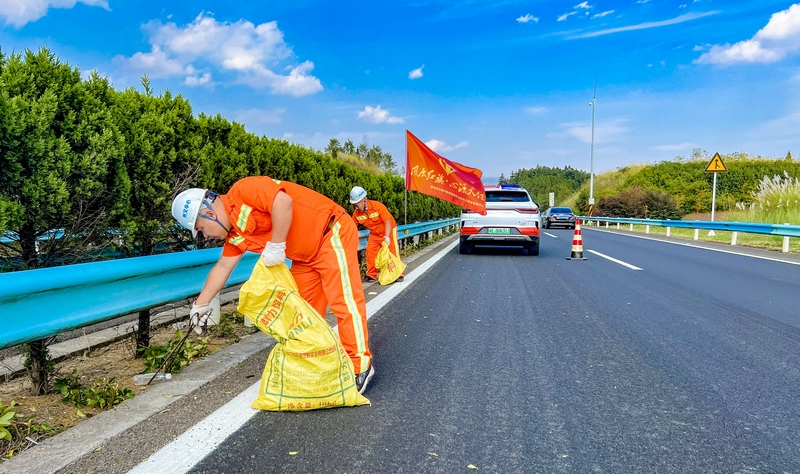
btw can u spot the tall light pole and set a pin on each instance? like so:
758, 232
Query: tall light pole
593, 105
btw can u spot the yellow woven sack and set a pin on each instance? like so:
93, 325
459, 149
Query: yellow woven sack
308, 368
389, 266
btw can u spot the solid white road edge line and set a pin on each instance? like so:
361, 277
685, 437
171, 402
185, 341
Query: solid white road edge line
632, 267
551, 235
191, 447
697, 246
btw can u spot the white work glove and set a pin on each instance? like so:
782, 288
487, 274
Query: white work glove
274, 254
198, 317
387, 240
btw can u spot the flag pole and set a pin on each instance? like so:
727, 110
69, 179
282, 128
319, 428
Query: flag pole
405, 191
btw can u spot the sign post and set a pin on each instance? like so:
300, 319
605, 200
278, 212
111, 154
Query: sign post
715, 166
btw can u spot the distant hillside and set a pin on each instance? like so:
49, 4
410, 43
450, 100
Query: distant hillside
543, 180
682, 184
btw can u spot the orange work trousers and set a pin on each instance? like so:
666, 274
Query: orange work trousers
333, 278
374, 244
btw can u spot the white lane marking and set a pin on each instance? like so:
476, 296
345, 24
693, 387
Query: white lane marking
191, 447
772, 259
551, 235
188, 449
624, 264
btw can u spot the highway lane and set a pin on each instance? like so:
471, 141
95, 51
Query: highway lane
511, 363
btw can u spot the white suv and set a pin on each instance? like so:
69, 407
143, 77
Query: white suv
512, 219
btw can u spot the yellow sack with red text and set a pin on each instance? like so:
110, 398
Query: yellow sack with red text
389, 265
308, 368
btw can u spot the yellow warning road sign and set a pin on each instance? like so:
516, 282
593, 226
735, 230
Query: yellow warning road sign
716, 165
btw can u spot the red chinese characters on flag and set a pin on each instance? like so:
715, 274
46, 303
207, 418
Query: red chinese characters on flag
429, 173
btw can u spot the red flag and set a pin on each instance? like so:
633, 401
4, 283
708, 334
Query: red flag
429, 173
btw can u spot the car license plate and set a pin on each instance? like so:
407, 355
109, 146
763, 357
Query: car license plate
499, 230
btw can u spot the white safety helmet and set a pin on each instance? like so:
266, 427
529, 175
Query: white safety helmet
186, 206
356, 194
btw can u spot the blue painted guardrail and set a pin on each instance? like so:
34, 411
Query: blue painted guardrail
35, 304
783, 230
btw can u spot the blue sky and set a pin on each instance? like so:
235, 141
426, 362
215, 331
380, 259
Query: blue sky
497, 85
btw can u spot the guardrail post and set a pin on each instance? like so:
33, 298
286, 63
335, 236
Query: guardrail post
647, 229
668, 231
617, 225
606, 224
734, 237
631, 227
40, 366
785, 248
696, 234
143, 333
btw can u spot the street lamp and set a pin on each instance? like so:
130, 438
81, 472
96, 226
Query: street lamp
593, 105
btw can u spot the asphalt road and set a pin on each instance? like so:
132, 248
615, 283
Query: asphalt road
512, 363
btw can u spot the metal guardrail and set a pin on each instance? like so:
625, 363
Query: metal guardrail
35, 304
406, 231
782, 230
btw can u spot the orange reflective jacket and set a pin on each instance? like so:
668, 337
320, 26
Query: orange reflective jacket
374, 219
249, 207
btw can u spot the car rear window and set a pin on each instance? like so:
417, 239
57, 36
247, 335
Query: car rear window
561, 210
507, 196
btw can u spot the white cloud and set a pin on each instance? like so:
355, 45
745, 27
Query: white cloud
601, 15
537, 110
605, 132
649, 24
576, 8
243, 49
198, 80
779, 39
21, 12
378, 115
678, 147
416, 73
260, 116
440, 146
528, 18
565, 16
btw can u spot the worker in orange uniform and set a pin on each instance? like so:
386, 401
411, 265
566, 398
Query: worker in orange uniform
382, 228
283, 220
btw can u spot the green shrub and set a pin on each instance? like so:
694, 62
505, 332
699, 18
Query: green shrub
16, 431
155, 356
103, 393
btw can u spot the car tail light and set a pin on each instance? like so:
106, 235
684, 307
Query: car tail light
528, 211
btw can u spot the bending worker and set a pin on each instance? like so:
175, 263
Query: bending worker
283, 220
382, 228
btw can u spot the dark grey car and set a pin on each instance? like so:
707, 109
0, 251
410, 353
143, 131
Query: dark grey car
559, 217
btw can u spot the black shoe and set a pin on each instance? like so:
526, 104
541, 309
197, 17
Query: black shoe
363, 379
400, 278
368, 278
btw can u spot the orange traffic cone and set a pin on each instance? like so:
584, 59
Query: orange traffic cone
577, 243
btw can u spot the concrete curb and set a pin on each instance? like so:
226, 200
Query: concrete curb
65, 448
